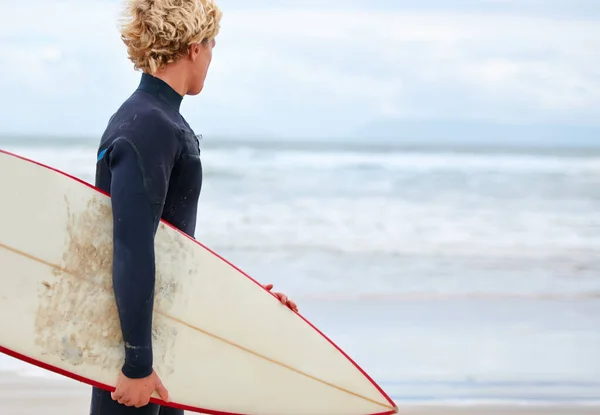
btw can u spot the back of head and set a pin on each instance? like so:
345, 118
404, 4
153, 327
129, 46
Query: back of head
159, 32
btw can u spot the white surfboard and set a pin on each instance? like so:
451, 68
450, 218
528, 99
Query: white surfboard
222, 343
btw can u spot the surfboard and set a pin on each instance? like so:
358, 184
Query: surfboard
222, 343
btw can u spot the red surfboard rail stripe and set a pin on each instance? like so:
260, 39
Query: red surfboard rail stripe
106, 387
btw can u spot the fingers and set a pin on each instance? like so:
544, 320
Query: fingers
122, 399
291, 305
162, 391
128, 401
282, 297
286, 301
117, 396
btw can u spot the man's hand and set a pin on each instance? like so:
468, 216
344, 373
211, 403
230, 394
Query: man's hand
137, 392
283, 298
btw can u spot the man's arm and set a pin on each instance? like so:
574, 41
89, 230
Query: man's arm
140, 170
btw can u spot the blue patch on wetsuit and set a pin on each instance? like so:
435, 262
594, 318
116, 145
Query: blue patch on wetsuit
102, 153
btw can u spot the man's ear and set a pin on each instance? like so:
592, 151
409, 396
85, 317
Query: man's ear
194, 51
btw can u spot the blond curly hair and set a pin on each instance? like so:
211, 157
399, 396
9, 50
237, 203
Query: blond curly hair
158, 32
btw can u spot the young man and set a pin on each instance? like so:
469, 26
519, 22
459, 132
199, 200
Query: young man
149, 162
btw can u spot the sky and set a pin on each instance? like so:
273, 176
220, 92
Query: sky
317, 69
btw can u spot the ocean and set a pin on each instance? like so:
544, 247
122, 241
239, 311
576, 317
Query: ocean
451, 275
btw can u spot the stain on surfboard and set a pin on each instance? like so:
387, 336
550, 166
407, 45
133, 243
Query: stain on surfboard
77, 320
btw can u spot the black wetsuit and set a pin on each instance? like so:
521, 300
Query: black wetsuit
149, 162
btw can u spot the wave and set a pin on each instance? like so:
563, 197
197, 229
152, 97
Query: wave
418, 162
80, 156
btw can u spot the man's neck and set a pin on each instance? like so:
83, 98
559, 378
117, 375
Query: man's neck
161, 90
174, 76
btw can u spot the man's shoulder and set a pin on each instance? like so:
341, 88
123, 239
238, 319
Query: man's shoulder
137, 114
140, 121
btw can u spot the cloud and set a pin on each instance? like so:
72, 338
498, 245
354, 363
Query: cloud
284, 70
492, 65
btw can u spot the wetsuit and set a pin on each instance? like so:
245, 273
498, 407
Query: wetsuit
149, 163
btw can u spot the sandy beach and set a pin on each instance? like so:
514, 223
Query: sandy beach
21, 395
33, 395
